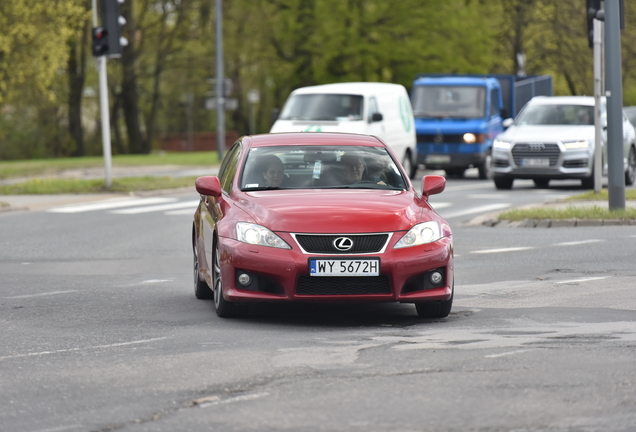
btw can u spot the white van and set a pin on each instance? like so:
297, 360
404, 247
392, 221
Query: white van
379, 109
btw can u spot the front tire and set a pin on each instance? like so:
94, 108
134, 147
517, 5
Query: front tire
630, 174
201, 289
504, 183
223, 307
435, 309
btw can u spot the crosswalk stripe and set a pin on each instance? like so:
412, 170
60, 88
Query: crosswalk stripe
179, 205
107, 205
473, 210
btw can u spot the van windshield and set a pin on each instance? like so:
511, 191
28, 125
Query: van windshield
334, 107
449, 101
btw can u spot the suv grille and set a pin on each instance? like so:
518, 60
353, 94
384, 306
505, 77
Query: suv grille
367, 243
343, 285
536, 151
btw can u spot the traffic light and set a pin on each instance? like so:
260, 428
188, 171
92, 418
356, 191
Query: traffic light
594, 11
99, 41
111, 23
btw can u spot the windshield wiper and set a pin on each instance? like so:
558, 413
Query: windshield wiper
261, 188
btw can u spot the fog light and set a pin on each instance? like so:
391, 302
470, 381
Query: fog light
244, 279
436, 277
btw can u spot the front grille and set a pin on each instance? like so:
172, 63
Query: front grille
440, 139
535, 151
366, 243
576, 163
343, 285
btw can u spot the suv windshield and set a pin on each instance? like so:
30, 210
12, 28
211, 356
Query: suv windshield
449, 101
320, 167
556, 115
323, 107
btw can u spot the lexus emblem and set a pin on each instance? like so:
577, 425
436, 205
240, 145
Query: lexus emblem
536, 147
343, 243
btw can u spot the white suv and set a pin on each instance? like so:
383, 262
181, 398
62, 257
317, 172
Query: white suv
553, 138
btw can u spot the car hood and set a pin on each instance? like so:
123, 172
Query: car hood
548, 133
336, 211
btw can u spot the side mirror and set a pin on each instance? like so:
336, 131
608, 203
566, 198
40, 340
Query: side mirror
209, 185
507, 123
376, 117
433, 184
275, 114
504, 113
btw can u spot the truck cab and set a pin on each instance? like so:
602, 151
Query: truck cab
456, 121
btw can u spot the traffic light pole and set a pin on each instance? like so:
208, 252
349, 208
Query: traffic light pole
614, 87
104, 108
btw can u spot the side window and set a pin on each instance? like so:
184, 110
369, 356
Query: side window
494, 102
373, 107
229, 166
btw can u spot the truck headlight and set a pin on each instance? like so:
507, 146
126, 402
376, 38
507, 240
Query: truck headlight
580, 144
499, 144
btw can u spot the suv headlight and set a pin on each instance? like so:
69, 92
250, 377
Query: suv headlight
259, 235
580, 144
499, 144
427, 232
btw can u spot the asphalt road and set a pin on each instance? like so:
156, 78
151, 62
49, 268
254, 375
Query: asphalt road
101, 331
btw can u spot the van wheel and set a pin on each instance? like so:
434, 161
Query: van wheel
409, 166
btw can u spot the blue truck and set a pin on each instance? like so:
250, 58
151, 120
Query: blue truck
457, 117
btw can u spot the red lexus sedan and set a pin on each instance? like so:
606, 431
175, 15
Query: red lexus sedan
319, 217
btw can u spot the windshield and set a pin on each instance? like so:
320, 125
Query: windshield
320, 167
323, 107
556, 115
449, 101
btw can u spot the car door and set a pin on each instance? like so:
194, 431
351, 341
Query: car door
214, 209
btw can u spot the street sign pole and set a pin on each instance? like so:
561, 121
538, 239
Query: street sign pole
104, 109
220, 96
598, 80
616, 175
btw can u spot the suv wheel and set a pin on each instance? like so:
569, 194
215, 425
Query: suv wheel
630, 174
503, 182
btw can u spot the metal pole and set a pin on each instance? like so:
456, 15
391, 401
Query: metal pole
616, 175
104, 109
598, 139
220, 96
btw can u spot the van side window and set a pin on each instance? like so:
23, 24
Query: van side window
494, 102
229, 166
373, 107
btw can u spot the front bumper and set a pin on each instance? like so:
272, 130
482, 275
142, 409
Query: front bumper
283, 275
451, 155
552, 161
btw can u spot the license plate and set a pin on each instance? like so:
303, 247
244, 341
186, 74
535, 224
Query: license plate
535, 162
344, 267
438, 159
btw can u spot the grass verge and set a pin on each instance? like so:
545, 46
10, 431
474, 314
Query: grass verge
76, 186
587, 212
630, 194
44, 167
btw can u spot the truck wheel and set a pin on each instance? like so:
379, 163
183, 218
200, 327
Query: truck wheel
503, 182
485, 168
630, 174
541, 182
455, 172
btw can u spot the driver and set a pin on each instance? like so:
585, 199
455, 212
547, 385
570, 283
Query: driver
355, 170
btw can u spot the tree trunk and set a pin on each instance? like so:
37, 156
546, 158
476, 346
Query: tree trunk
129, 95
76, 79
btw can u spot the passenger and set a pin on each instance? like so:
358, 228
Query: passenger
271, 169
355, 170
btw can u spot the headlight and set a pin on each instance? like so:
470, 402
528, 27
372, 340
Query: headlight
259, 235
503, 145
420, 234
576, 144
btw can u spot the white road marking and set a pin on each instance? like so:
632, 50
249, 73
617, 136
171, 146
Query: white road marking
582, 279
79, 208
513, 249
488, 196
473, 210
60, 428
187, 211
42, 294
506, 353
440, 205
41, 353
235, 399
576, 243
468, 187
179, 205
